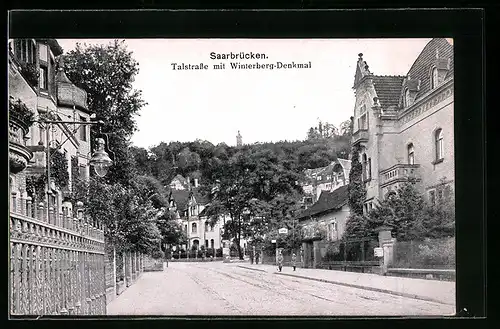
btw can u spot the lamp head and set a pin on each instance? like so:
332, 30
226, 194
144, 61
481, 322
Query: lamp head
100, 159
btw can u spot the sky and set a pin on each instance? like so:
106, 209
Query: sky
264, 105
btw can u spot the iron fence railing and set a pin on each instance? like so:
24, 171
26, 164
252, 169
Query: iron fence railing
56, 262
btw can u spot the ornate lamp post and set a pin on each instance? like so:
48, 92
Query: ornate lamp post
100, 159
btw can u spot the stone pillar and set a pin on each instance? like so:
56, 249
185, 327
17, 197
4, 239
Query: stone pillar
317, 253
386, 242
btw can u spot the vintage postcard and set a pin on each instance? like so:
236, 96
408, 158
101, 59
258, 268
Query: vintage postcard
232, 177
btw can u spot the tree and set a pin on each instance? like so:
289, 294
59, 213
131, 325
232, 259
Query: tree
254, 186
356, 188
345, 128
170, 230
410, 216
150, 189
356, 223
106, 73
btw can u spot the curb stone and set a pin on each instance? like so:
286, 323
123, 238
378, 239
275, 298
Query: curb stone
253, 269
402, 294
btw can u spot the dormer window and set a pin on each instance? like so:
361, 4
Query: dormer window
434, 78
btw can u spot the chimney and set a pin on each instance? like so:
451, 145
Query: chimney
196, 182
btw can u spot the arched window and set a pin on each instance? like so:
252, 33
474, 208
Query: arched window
438, 138
407, 99
434, 78
411, 154
212, 243
193, 228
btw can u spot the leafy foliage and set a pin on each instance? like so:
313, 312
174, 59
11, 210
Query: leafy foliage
107, 72
356, 223
357, 192
36, 184
411, 216
31, 73
18, 110
59, 168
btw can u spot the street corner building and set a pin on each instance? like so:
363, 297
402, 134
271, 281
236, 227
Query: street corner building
39, 85
404, 125
49, 232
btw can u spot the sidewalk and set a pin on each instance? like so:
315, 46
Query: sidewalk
429, 290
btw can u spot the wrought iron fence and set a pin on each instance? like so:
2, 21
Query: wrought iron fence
56, 262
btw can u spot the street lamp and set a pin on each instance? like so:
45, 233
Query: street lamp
100, 159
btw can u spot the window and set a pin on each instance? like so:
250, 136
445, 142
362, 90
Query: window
432, 197
206, 243
25, 50
434, 78
369, 168
365, 167
407, 99
43, 52
212, 243
43, 78
328, 177
82, 172
185, 228
411, 154
318, 178
438, 137
363, 122
83, 130
194, 228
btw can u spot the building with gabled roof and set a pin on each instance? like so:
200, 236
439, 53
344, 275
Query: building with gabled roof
188, 203
404, 124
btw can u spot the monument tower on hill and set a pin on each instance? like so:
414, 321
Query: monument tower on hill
239, 140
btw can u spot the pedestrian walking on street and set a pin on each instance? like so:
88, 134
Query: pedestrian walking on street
257, 258
280, 261
251, 257
294, 261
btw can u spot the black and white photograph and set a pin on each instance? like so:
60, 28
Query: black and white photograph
232, 177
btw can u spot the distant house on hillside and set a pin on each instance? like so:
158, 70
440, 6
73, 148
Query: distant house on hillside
328, 178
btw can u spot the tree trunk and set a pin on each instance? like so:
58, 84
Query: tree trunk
240, 255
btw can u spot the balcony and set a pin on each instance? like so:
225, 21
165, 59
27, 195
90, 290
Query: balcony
19, 154
399, 173
360, 136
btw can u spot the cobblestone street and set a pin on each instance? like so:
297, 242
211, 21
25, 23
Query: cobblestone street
225, 289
